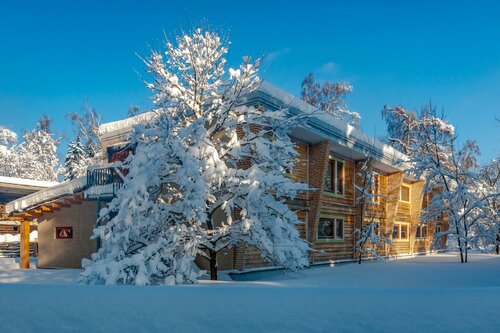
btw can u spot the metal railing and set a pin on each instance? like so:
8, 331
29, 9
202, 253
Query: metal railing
103, 182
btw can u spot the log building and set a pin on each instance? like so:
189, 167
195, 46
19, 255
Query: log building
330, 152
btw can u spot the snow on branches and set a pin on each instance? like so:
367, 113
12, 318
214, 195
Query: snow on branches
451, 174
330, 98
207, 175
369, 236
86, 149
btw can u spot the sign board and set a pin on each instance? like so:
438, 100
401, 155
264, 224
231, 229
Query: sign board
64, 232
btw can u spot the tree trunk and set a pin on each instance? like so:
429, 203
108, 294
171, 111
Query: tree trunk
213, 265
466, 252
497, 247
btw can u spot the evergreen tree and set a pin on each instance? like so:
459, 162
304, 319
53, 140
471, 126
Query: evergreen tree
38, 153
76, 161
8, 153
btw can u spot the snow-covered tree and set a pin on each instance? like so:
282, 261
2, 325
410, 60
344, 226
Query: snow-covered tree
451, 177
207, 174
368, 234
404, 126
8, 153
330, 97
490, 183
86, 128
459, 195
38, 153
77, 160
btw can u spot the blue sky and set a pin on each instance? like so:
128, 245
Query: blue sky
54, 55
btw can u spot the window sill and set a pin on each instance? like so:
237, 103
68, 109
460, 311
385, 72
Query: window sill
323, 241
332, 195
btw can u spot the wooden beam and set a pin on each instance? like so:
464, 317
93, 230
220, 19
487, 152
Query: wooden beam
24, 229
46, 209
66, 203
56, 206
76, 200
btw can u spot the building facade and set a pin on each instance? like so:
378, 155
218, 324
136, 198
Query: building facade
330, 157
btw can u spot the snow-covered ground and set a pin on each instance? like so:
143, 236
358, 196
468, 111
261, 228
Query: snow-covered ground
423, 294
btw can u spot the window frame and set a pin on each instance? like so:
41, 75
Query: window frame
375, 187
332, 169
401, 191
334, 219
400, 224
420, 235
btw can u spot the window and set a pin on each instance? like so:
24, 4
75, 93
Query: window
375, 187
334, 181
437, 229
404, 193
376, 224
400, 231
421, 231
330, 229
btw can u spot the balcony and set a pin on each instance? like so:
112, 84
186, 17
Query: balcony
103, 182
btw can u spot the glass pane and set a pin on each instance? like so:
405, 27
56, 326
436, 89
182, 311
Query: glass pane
325, 229
395, 231
328, 185
340, 178
339, 229
418, 235
405, 193
404, 230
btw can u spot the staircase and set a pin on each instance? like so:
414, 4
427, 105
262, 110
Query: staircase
12, 249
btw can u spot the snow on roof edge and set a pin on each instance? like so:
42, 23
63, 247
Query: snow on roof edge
27, 182
124, 125
46, 195
293, 101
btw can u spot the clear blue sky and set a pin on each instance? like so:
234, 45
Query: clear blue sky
54, 55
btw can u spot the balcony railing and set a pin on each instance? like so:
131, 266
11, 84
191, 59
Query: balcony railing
103, 182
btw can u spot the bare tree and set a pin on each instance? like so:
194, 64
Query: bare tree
330, 97
369, 236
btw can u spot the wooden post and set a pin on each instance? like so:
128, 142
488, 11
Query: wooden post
24, 262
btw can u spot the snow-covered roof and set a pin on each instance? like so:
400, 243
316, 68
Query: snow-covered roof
322, 126
26, 182
124, 126
328, 127
46, 195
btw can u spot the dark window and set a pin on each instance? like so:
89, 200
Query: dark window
404, 231
340, 178
329, 229
325, 229
334, 180
339, 229
328, 186
395, 231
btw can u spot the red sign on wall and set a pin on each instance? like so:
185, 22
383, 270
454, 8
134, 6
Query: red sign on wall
64, 232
